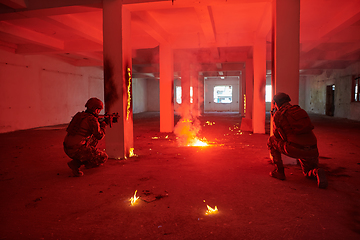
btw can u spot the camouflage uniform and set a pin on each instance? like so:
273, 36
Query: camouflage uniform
81, 140
293, 136
83, 134
302, 146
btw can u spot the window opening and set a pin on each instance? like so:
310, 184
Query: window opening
223, 94
268, 93
355, 92
178, 94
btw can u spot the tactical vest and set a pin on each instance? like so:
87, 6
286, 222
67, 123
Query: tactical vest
74, 126
293, 120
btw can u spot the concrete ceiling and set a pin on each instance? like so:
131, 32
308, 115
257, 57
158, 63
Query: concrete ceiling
218, 34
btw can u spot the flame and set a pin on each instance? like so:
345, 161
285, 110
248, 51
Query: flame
128, 94
186, 131
134, 199
131, 152
211, 210
198, 143
209, 123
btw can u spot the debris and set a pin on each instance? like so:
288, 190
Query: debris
151, 197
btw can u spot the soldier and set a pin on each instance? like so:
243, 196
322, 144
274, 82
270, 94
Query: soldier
83, 134
293, 136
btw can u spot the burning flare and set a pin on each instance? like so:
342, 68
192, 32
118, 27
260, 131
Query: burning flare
186, 131
131, 152
128, 94
198, 143
134, 199
211, 210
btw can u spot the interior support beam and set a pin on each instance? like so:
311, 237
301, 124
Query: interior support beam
343, 19
286, 53
185, 88
166, 88
242, 89
15, 4
151, 26
259, 86
195, 105
31, 36
206, 21
201, 92
77, 26
249, 70
117, 77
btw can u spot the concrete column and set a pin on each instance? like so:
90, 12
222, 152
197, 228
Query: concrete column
242, 92
249, 71
259, 85
246, 122
286, 47
201, 84
117, 77
166, 88
185, 88
195, 109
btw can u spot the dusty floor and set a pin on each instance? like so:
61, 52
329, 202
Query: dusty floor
41, 200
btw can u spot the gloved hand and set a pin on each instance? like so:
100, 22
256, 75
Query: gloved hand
103, 124
107, 120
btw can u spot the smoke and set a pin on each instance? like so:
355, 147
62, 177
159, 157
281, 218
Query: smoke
188, 127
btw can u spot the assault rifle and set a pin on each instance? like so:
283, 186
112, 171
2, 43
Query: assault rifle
109, 118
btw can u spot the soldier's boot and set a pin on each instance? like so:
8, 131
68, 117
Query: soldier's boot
89, 165
321, 178
74, 165
278, 172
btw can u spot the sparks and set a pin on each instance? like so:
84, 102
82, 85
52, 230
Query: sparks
198, 143
211, 210
131, 153
128, 94
134, 199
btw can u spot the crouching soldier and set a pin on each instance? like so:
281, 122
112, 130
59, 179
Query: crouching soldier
293, 136
83, 134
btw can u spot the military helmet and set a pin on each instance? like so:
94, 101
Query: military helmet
281, 98
94, 103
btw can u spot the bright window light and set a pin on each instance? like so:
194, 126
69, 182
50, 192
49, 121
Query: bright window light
268, 93
178, 94
223, 94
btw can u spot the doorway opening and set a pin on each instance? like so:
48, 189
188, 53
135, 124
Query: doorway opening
330, 100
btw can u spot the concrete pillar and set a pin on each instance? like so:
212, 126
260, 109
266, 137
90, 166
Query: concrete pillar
249, 70
201, 84
117, 77
195, 109
166, 88
246, 122
286, 48
259, 85
242, 92
185, 88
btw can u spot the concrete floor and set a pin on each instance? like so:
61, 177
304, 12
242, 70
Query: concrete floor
41, 200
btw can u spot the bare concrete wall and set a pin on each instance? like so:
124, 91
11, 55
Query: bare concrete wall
210, 105
41, 91
314, 98
139, 95
302, 91
153, 95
